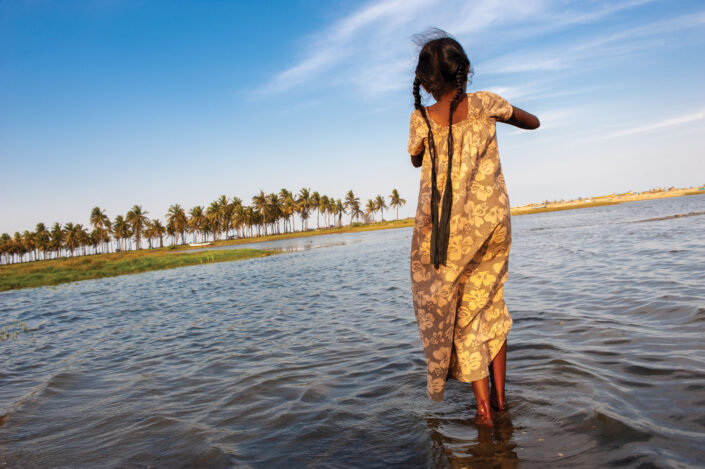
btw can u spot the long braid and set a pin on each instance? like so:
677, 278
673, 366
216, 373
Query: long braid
444, 225
432, 153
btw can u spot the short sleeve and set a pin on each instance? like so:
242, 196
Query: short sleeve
417, 133
496, 106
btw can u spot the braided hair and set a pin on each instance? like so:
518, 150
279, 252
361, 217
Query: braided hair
443, 66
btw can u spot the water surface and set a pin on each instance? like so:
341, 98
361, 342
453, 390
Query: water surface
312, 358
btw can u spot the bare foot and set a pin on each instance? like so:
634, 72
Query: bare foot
483, 415
484, 420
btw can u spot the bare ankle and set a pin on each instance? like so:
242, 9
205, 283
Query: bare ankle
498, 400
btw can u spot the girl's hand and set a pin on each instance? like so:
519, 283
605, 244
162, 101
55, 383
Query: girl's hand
417, 160
522, 119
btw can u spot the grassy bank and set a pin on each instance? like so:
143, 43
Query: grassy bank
56, 271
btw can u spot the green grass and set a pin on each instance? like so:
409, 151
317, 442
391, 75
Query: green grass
56, 271
13, 329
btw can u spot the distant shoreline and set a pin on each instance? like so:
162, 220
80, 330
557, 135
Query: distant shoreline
72, 269
611, 199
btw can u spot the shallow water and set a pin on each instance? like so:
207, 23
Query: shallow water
312, 358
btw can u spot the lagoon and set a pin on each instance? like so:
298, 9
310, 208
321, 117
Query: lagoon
311, 358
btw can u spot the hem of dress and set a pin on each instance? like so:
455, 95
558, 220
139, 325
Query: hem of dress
487, 371
435, 399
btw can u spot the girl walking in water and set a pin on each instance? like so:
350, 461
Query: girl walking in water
462, 232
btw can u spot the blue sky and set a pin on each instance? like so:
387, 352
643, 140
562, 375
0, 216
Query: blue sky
113, 103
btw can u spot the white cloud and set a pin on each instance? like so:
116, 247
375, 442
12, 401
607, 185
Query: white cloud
342, 40
593, 50
371, 50
662, 124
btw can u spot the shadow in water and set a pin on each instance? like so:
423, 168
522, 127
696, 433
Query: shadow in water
462, 443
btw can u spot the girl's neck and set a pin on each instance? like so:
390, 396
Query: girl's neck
440, 110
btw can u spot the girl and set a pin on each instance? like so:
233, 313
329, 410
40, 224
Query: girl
462, 231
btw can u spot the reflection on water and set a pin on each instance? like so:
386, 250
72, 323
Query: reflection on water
312, 358
299, 244
461, 446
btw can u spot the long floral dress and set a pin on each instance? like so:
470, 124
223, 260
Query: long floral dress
460, 310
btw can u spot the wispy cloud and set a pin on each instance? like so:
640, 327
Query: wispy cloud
370, 49
344, 39
593, 50
662, 124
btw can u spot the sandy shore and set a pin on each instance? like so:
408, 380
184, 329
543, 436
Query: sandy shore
611, 199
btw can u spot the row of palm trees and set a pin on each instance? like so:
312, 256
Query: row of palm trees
268, 214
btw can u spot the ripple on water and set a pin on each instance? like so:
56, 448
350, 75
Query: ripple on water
312, 358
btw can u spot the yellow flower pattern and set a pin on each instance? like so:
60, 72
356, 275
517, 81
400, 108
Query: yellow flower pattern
460, 310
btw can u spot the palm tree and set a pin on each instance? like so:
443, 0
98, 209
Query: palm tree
339, 209
273, 211
213, 219
137, 218
303, 205
370, 209
355, 211
18, 247
225, 213
94, 239
259, 203
41, 239
57, 239
350, 202
158, 231
323, 206
249, 218
315, 203
176, 218
239, 219
28, 243
82, 237
98, 218
100, 222
171, 231
5, 248
104, 237
122, 233
148, 234
396, 201
72, 237
236, 212
197, 222
381, 205
288, 208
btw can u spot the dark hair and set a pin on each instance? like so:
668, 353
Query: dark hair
443, 66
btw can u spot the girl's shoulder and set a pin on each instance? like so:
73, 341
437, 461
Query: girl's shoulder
484, 97
491, 104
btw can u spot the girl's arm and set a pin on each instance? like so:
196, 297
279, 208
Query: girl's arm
522, 119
